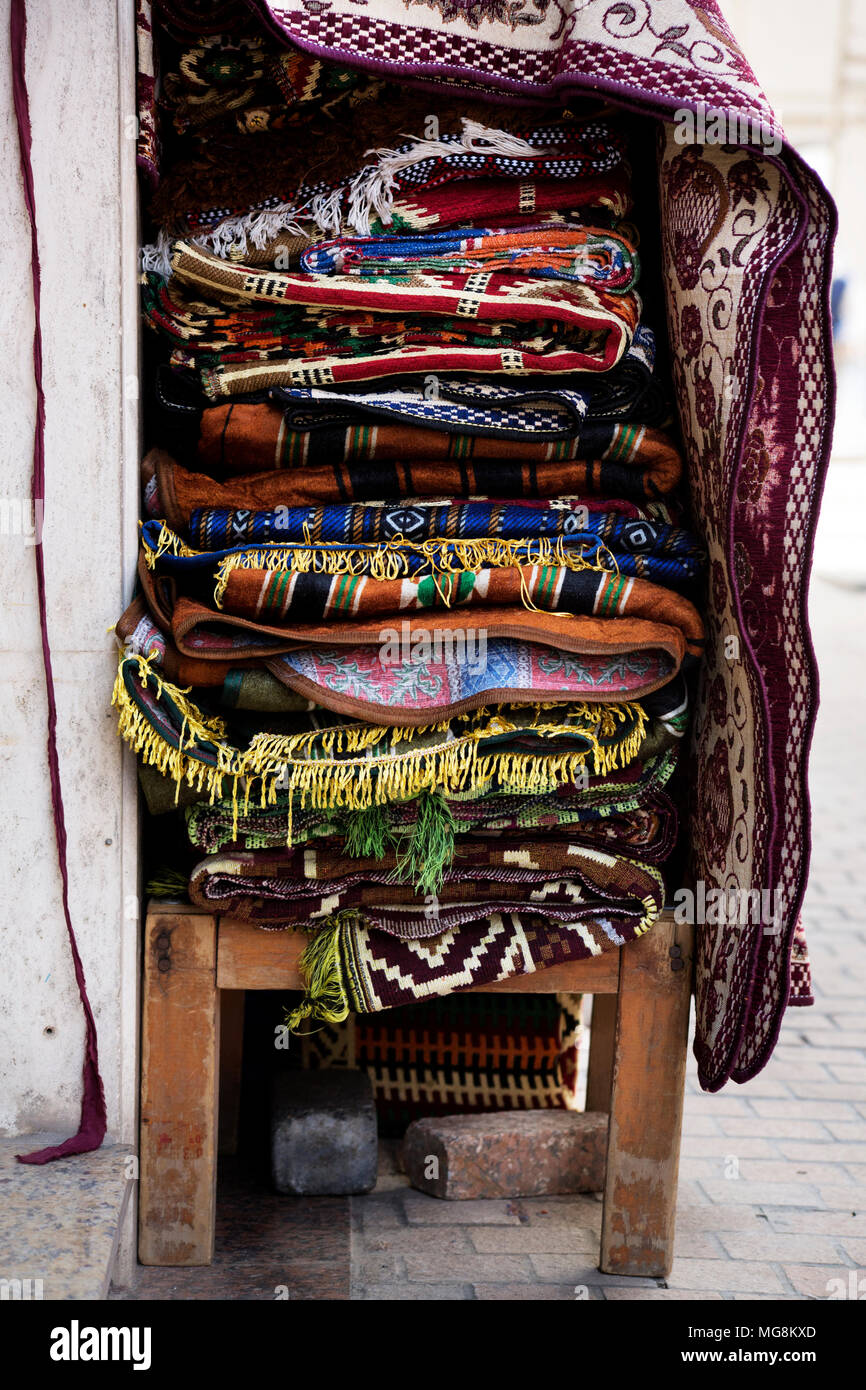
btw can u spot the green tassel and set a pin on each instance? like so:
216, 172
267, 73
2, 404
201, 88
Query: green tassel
430, 849
167, 883
325, 996
368, 832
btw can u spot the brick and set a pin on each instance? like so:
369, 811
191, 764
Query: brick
521, 1153
815, 1109
845, 1038
735, 1128
526, 1240
474, 1269
379, 1211
719, 1147
713, 1217
799, 1064
828, 1090
323, 1133
401, 1291
770, 1245
698, 1124
764, 1087
429, 1211
764, 1298
757, 1194
567, 1211
814, 1281
838, 1153
691, 1194
844, 1197
538, 1293
662, 1296
379, 1267
850, 1073
847, 1130
417, 1240
699, 1245
793, 1170
828, 1223
856, 1250
698, 1102
730, 1276
565, 1269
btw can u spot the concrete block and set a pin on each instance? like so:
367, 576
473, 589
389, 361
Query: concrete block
517, 1153
323, 1133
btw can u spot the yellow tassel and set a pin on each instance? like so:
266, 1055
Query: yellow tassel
325, 995
168, 543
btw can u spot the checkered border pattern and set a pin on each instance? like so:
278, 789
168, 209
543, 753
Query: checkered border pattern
410, 47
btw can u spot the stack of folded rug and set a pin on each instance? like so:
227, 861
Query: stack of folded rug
417, 607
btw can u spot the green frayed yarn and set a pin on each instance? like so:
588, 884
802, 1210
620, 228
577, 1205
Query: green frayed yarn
325, 996
167, 883
368, 832
429, 850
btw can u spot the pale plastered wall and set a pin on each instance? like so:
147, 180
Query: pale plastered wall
81, 81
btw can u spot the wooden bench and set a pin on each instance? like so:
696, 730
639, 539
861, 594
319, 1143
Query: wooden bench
196, 963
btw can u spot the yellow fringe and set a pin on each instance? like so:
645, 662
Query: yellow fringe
169, 543
289, 763
389, 560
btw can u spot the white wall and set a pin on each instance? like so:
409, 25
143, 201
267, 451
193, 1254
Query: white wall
81, 82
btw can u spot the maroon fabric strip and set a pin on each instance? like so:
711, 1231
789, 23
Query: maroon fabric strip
91, 1129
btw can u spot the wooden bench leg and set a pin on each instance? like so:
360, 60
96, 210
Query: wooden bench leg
647, 1102
602, 1037
231, 1066
180, 1045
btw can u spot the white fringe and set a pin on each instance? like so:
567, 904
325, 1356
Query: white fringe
237, 234
156, 258
370, 193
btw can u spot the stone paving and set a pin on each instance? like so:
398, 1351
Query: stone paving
771, 1177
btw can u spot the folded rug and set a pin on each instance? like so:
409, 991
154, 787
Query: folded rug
586, 255
421, 834
414, 677
351, 967
266, 328
411, 521
598, 201
352, 170
467, 1054
423, 828
249, 81
631, 392
205, 632
274, 597
237, 439
358, 765
658, 552
176, 493
558, 880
